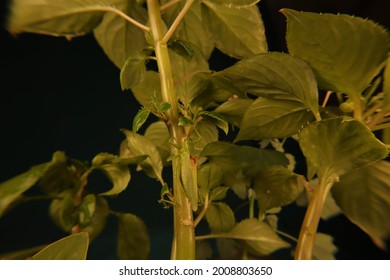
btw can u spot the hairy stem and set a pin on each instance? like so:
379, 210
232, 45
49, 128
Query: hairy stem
183, 246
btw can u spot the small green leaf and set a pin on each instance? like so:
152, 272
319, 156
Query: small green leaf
324, 249
87, 210
73, 247
63, 211
273, 118
140, 118
99, 219
133, 72
183, 121
140, 145
209, 176
276, 186
257, 237
163, 107
228, 28
119, 38
234, 109
11, 190
182, 48
364, 197
115, 169
218, 193
220, 217
346, 52
149, 90
351, 145
277, 76
158, 133
133, 238
217, 119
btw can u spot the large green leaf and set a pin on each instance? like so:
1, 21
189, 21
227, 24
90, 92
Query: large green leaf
149, 90
191, 28
133, 238
276, 75
133, 71
119, 38
270, 118
364, 197
346, 52
73, 247
205, 133
276, 186
58, 18
210, 176
234, 109
158, 133
236, 31
324, 249
12, 189
257, 237
336, 146
249, 159
139, 145
220, 217
115, 169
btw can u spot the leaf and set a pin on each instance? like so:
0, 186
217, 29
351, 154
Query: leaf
158, 134
218, 193
220, 217
203, 250
119, 38
99, 219
73, 247
188, 176
364, 197
148, 90
216, 119
140, 145
236, 3
206, 133
249, 159
386, 83
191, 28
228, 26
324, 249
209, 176
183, 121
133, 238
63, 211
234, 109
182, 48
62, 18
351, 145
12, 189
87, 210
229, 249
277, 76
165, 106
21, 254
275, 187
140, 118
273, 118
115, 169
345, 52
133, 72
258, 237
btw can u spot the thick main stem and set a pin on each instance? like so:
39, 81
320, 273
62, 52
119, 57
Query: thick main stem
304, 250
183, 246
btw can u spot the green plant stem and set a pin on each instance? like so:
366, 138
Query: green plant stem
357, 107
304, 250
203, 212
183, 245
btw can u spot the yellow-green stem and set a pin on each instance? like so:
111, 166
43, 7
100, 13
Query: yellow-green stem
183, 245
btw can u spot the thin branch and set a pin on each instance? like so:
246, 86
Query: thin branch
326, 99
169, 4
123, 15
286, 235
177, 21
203, 212
209, 236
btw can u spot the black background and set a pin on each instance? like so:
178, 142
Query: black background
60, 95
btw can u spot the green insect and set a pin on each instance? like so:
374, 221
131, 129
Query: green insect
188, 174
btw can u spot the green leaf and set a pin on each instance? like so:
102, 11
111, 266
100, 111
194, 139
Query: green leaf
12, 189
133, 238
21, 254
115, 169
62, 18
228, 26
149, 90
257, 237
188, 176
275, 187
140, 118
63, 211
270, 118
203, 250
158, 134
236, 3
210, 176
249, 159
87, 210
99, 219
220, 217
182, 48
119, 38
386, 83
206, 133
191, 28
229, 249
218, 193
346, 52
140, 145
336, 146
133, 72
217, 119
364, 197
324, 249
183, 121
163, 107
73, 247
277, 76
234, 109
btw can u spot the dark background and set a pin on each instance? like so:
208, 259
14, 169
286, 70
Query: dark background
60, 95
